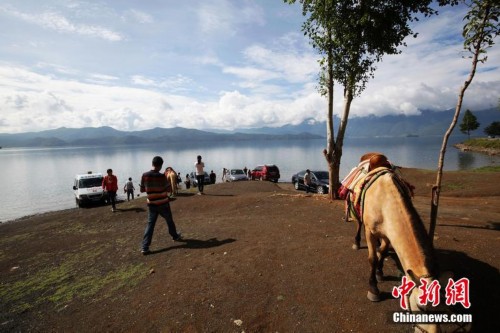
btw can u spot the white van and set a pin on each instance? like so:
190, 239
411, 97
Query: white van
88, 188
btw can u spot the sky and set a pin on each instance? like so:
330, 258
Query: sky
218, 64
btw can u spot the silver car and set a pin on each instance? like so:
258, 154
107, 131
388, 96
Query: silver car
233, 175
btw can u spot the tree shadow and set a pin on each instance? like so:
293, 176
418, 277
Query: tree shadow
188, 243
490, 226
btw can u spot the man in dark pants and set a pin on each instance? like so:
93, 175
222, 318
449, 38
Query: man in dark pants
155, 184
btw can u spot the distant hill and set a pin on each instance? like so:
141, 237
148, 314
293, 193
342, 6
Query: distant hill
96, 136
428, 123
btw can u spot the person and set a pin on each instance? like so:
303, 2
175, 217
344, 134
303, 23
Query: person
212, 177
200, 174
129, 189
110, 185
250, 174
307, 180
245, 170
155, 184
172, 179
224, 171
179, 180
187, 182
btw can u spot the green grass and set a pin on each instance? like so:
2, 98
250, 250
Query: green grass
492, 168
484, 143
75, 276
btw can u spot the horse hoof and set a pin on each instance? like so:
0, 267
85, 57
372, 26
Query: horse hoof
355, 246
373, 297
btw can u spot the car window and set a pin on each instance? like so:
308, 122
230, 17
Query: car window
90, 182
321, 175
272, 168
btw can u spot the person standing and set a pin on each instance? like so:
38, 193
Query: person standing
155, 184
129, 189
187, 182
110, 185
224, 174
307, 180
200, 174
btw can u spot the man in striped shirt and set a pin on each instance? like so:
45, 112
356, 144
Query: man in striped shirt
155, 184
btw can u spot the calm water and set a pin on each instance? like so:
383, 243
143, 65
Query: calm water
38, 180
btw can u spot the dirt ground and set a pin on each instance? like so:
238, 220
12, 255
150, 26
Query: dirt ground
256, 257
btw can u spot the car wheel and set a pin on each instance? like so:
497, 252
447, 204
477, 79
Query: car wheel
320, 190
296, 185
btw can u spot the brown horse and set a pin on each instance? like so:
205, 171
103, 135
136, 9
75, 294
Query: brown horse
390, 218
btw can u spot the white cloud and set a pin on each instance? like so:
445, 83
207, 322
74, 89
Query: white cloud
217, 64
57, 22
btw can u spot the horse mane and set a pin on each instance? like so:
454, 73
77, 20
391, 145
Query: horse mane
416, 223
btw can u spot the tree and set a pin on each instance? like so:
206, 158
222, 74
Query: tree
352, 36
493, 129
479, 32
469, 123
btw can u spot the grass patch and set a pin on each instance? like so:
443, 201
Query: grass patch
483, 143
491, 168
75, 276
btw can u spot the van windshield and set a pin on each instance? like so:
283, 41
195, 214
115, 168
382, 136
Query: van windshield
90, 182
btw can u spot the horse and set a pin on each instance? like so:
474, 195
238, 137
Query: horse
390, 219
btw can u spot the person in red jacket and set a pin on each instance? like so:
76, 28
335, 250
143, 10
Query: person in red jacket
110, 184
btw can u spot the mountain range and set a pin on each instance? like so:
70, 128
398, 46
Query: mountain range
428, 123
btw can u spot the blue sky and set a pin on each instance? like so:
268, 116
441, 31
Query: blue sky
219, 64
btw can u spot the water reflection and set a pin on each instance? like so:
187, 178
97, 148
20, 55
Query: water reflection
465, 160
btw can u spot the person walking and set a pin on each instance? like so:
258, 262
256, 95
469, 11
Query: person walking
200, 174
110, 185
307, 180
129, 189
155, 184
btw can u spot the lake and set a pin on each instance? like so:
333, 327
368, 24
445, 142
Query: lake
38, 180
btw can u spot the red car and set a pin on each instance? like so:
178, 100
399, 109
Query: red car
266, 172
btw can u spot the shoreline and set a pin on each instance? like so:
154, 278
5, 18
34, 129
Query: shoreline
188, 192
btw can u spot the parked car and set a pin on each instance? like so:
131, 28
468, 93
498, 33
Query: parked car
319, 181
233, 175
266, 172
194, 182
88, 189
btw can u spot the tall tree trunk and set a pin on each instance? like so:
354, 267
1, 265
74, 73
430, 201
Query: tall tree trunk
436, 189
329, 152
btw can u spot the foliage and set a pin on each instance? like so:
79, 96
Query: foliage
352, 36
481, 27
469, 123
493, 129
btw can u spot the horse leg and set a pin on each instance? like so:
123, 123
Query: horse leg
373, 292
382, 254
357, 238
